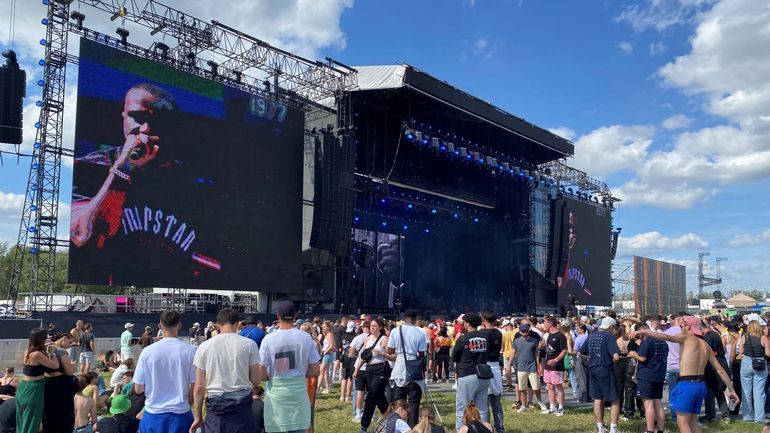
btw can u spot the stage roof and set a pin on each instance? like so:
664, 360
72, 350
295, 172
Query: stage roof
406, 76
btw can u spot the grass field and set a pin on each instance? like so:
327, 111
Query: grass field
334, 416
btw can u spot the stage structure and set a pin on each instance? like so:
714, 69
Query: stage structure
659, 287
240, 61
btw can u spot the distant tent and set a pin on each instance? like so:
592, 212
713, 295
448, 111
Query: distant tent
742, 301
95, 306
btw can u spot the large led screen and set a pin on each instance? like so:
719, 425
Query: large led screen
585, 272
181, 181
659, 287
378, 267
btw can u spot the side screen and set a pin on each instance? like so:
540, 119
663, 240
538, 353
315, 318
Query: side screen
181, 181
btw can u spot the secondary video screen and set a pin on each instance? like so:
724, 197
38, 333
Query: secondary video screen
378, 267
588, 265
180, 181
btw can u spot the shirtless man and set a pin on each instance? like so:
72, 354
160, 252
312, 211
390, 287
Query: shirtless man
85, 410
687, 397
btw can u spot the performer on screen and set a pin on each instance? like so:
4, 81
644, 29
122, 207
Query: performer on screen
562, 280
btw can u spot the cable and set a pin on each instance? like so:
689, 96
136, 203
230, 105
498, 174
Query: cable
395, 156
12, 26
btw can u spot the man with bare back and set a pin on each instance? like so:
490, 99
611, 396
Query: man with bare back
687, 397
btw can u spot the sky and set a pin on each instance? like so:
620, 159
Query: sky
668, 101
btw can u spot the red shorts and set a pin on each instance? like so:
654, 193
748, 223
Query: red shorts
553, 377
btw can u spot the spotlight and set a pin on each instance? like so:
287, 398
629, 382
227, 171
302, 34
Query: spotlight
418, 136
267, 85
384, 224
404, 227
433, 211
123, 33
434, 143
476, 219
190, 58
409, 206
409, 134
506, 166
163, 48
121, 12
213, 65
427, 230
463, 152
237, 75
78, 17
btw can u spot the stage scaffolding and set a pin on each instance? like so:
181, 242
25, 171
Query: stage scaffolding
245, 62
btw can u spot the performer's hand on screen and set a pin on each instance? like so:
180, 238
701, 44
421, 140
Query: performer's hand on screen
138, 150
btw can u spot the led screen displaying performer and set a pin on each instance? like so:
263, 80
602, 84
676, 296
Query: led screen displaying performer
586, 277
181, 181
378, 267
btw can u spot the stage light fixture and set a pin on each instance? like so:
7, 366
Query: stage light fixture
463, 152
190, 59
409, 134
405, 227
121, 12
123, 33
213, 65
78, 17
158, 29
492, 162
427, 230
418, 136
163, 48
476, 219
570, 191
442, 148
434, 143
384, 224
506, 166
433, 211
237, 75
409, 206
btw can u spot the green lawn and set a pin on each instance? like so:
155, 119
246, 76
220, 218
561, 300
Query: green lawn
334, 416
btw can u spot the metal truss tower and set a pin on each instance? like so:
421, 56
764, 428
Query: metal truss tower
623, 286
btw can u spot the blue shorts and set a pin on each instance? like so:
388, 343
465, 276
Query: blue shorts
649, 390
166, 422
687, 397
329, 358
602, 384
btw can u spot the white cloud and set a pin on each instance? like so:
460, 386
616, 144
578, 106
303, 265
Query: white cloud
657, 48
612, 148
10, 205
662, 14
626, 47
682, 196
564, 132
677, 121
746, 239
655, 241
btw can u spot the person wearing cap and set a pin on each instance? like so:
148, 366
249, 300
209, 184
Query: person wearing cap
688, 395
408, 344
196, 334
346, 384
119, 422
287, 357
602, 350
165, 374
58, 409
227, 368
252, 332
125, 341
470, 351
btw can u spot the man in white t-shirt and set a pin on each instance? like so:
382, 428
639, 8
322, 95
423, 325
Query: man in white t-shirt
165, 373
359, 382
408, 343
227, 367
125, 341
288, 356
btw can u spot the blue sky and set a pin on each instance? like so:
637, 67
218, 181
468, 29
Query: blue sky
668, 101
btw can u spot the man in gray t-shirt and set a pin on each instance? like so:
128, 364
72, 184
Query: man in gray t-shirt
526, 351
527, 364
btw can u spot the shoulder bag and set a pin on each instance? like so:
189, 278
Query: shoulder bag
366, 354
413, 366
757, 362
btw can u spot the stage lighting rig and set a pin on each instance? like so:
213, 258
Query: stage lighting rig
121, 12
158, 29
123, 33
78, 17
213, 68
163, 48
190, 59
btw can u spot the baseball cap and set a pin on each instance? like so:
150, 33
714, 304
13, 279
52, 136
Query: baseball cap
607, 322
695, 325
524, 328
351, 326
298, 322
128, 325
287, 310
506, 322
584, 318
196, 324
119, 404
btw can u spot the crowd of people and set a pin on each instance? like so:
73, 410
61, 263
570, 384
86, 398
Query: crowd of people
244, 376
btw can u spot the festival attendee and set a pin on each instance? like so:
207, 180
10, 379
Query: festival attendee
92, 389
602, 351
30, 395
125, 341
76, 332
471, 352
359, 381
526, 362
755, 348
443, 345
494, 348
87, 349
508, 334
9, 383
735, 359
348, 363
553, 375
119, 422
227, 368
377, 372
394, 418
581, 365
59, 412
8, 416
288, 356
650, 375
328, 356
672, 362
165, 374
126, 365
250, 331
715, 389
687, 397
85, 409
427, 422
472, 421
146, 339
338, 330
407, 347
624, 373
258, 408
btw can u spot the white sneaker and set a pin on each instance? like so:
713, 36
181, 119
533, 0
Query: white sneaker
560, 412
543, 407
545, 411
326, 391
521, 409
454, 386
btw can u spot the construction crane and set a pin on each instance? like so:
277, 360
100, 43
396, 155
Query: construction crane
719, 261
703, 280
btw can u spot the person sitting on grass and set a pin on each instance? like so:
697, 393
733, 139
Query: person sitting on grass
258, 407
427, 423
394, 418
119, 422
124, 366
472, 421
85, 409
